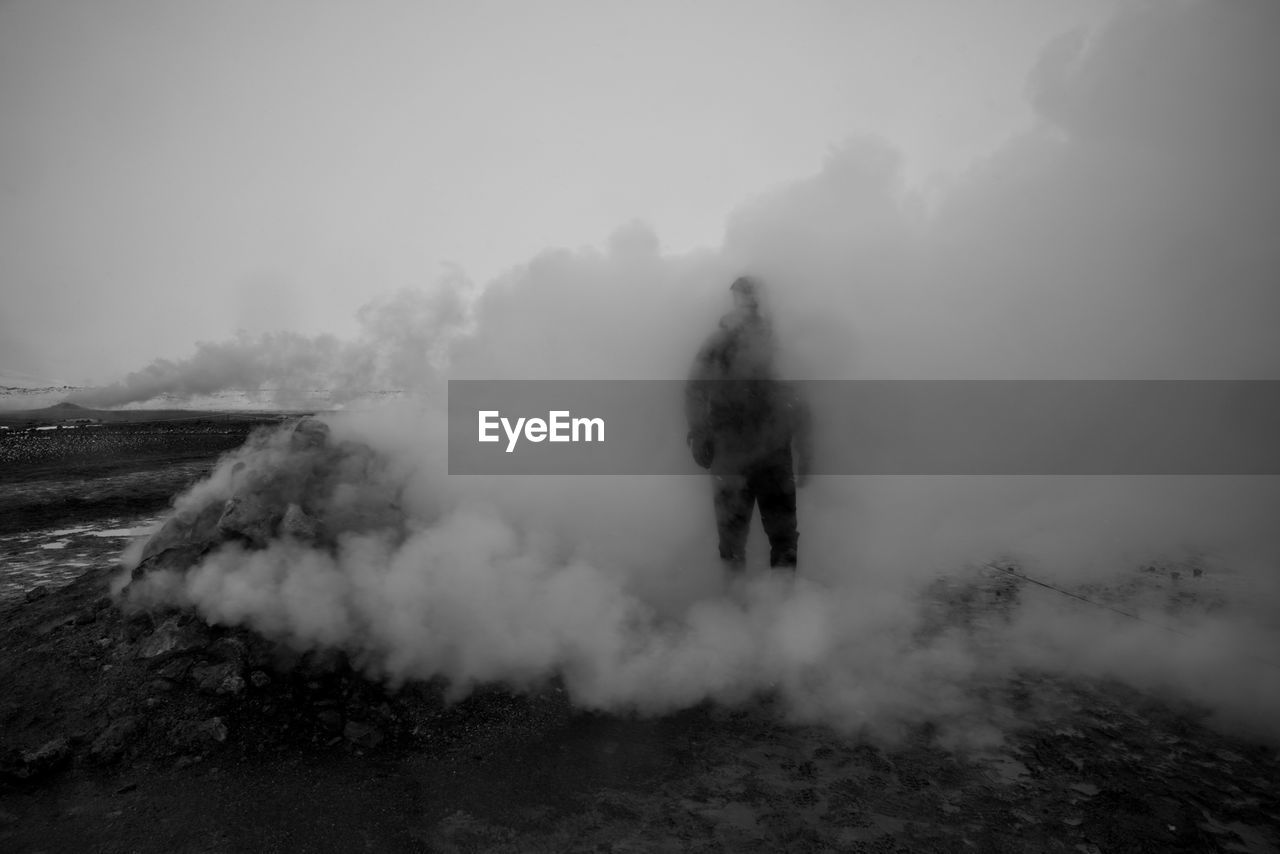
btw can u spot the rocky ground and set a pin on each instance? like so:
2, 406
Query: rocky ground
63, 476
151, 731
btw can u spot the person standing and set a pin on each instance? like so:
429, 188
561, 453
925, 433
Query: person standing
750, 430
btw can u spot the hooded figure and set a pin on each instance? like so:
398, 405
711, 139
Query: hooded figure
745, 426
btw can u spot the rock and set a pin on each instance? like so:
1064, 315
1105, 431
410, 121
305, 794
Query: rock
221, 678
233, 685
259, 653
229, 648
137, 626
250, 518
193, 735
181, 541
259, 679
330, 719
111, 744
297, 524
175, 669
308, 434
47, 757
321, 664
173, 636
215, 729
38, 592
361, 734
189, 528
177, 559
50, 626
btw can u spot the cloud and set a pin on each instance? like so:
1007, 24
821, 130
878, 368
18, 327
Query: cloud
1193, 78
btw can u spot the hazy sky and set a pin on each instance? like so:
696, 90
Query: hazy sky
175, 171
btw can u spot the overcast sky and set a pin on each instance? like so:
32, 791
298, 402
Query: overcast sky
172, 172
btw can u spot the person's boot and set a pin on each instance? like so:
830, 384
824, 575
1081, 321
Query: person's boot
783, 558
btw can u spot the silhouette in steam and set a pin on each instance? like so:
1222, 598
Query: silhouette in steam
744, 425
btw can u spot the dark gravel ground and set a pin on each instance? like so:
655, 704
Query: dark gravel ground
67, 476
109, 745
157, 733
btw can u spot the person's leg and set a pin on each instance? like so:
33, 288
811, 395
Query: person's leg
734, 504
775, 489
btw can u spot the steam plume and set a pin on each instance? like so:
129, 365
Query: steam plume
404, 341
1125, 235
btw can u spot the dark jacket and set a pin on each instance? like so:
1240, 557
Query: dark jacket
740, 415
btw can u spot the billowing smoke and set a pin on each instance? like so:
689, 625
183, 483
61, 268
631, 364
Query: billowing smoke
404, 342
290, 362
1125, 235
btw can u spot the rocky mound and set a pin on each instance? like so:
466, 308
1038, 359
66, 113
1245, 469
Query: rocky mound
281, 487
147, 680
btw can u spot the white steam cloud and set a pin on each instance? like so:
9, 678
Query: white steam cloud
404, 341
1126, 235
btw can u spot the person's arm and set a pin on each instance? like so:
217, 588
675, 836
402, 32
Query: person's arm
802, 437
697, 387
697, 404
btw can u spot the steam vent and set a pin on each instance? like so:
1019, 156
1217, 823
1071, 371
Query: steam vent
157, 684
280, 488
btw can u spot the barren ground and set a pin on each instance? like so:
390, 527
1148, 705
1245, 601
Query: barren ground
112, 742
